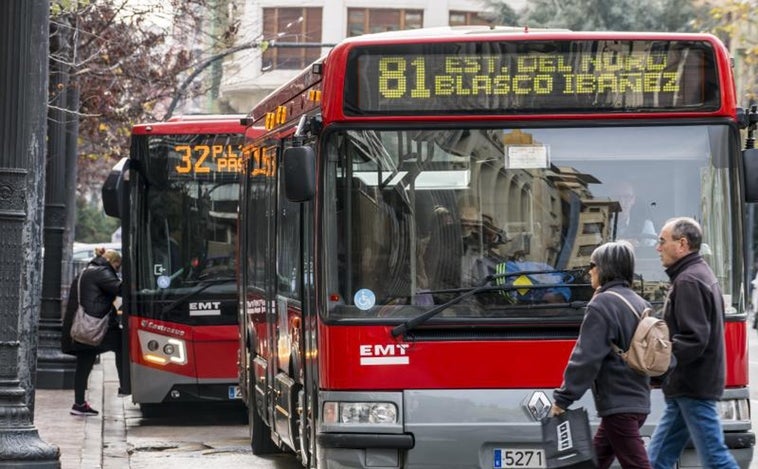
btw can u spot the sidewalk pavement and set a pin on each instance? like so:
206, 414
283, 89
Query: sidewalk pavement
95, 442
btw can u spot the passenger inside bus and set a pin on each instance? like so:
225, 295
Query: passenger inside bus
482, 240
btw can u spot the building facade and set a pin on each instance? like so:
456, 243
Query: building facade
251, 74
275, 26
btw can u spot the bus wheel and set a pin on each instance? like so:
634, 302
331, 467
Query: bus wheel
260, 433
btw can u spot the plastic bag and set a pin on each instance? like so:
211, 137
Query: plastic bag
567, 439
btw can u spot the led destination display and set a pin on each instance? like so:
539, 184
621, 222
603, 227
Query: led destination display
204, 159
532, 77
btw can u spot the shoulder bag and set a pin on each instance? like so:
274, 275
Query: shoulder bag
85, 328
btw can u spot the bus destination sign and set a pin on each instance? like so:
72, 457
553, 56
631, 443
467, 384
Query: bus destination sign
205, 159
532, 77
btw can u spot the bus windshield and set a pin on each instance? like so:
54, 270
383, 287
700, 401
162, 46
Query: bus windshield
188, 215
421, 216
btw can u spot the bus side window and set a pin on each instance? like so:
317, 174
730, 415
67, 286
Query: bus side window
289, 249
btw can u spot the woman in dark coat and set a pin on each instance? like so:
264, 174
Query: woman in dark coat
622, 396
100, 285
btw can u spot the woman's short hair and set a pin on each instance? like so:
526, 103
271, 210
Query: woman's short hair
614, 261
112, 256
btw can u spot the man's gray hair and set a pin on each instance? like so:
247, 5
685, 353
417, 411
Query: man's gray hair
689, 228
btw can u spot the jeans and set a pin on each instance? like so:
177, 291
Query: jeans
686, 418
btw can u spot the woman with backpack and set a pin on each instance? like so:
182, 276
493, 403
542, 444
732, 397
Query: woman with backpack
622, 395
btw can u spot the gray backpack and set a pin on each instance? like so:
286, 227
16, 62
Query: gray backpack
649, 351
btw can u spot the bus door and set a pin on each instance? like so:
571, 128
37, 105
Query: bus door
296, 339
306, 363
288, 310
115, 195
265, 260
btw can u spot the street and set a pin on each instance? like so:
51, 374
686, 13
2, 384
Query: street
194, 438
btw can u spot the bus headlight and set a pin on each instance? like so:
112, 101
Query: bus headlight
161, 350
360, 412
734, 409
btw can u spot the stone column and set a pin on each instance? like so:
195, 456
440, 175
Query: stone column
23, 106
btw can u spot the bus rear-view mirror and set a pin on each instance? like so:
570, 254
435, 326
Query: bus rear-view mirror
113, 189
299, 165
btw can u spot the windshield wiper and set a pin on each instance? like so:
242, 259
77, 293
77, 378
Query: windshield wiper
485, 285
198, 289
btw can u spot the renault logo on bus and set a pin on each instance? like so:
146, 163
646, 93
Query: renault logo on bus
538, 405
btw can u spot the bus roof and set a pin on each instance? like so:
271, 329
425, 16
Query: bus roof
193, 124
204, 117
509, 33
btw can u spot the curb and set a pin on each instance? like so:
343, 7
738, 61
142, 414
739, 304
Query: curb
91, 454
113, 447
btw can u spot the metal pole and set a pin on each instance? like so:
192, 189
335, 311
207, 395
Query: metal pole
72, 157
23, 106
55, 370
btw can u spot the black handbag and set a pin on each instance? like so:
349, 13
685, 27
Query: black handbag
85, 328
567, 439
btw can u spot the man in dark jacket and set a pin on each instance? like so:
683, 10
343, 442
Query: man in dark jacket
99, 287
694, 312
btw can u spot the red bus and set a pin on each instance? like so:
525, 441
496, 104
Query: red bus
176, 195
416, 225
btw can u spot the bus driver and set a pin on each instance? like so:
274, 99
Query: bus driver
482, 240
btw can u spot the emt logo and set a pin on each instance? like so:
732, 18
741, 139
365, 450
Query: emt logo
205, 308
389, 354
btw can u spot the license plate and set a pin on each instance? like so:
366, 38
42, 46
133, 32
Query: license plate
528, 458
234, 392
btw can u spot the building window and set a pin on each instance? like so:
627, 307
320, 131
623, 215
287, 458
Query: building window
377, 20
468, 18
291, 25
